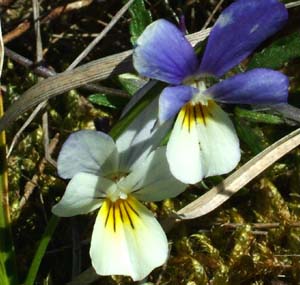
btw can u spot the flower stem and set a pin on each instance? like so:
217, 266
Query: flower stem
8, 268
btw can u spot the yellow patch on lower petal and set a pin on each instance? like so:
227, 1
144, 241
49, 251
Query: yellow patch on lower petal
123, 212
191, 114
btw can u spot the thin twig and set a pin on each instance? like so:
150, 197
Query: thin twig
292, 4
163, 270
24, 126
30, 185
264, 226
37, 29
48, 156
39, 58
208, 21
16, 32
111, 24
37, 69
58, 11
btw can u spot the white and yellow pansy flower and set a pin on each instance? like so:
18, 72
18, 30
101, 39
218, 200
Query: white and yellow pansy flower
115, 178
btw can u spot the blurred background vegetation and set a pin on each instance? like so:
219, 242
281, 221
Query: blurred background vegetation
254, 238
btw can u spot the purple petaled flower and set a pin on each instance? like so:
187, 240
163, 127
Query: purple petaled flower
203, 141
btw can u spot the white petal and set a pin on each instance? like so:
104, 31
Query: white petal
87, 151
85, 193
203, 143
151, 179
127, 240
183, 153
140, 137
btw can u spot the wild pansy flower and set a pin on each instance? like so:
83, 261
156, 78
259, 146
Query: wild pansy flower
203, 141
115, 177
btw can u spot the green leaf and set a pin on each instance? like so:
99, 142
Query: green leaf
131, 83
40, 252
141, 18
101, 99
258, 117
278, 53
248, 135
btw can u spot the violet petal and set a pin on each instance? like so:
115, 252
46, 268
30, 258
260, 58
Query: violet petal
163, 53
257, 86
172, 99
238, 31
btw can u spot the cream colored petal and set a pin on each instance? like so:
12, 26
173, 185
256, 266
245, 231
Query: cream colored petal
127, 240
203, 143
183, 152
219, 141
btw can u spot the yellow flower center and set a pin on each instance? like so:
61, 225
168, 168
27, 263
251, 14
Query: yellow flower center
195, 113
120, 213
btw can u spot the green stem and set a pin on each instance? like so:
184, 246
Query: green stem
8, 268
40, 252
121, 125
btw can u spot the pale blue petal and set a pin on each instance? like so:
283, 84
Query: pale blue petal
141, 137
87, 151
85, 193
151, 179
